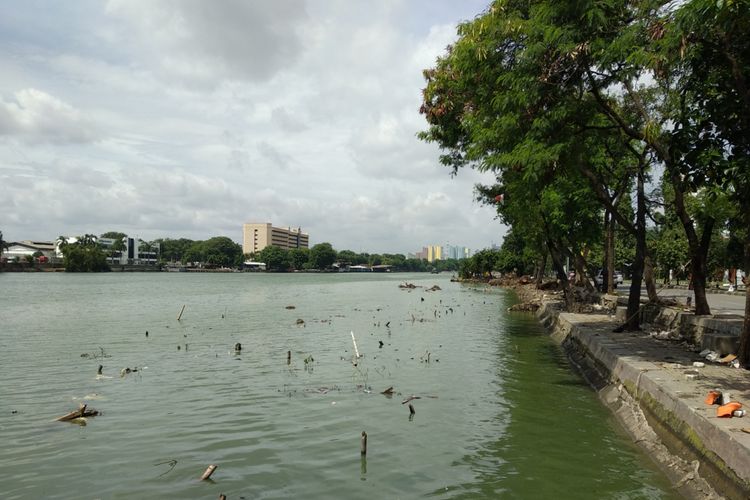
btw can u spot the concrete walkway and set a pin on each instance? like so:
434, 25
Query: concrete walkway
660, 377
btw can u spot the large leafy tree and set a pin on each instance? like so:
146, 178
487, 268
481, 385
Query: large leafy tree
322, 256
299, 257
221, 251
173, 250
705, 43
275, 258
85, 255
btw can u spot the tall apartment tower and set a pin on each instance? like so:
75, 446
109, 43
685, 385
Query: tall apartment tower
257, 236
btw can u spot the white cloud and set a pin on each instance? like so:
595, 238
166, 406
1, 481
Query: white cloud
39, 117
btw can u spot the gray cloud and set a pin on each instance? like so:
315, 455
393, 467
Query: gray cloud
204, 41
208, 115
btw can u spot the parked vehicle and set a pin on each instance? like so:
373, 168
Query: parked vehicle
599, 280
618, 277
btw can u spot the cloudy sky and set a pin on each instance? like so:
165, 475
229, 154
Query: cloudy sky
187, 118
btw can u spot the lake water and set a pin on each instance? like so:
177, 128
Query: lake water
500, 415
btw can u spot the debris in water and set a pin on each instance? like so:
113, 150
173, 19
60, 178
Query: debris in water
207, 474
171, 464
290, 307
81, 412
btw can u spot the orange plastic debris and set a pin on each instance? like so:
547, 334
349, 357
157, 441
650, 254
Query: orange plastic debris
726, 410
713, 397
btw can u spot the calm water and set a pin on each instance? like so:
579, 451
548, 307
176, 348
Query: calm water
501, 414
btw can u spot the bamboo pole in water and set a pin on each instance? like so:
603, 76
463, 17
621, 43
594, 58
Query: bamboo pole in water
354, 341
210, 470
181, 311
363, 444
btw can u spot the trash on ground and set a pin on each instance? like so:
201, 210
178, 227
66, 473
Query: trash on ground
662, 335
728, 358
727, 410
710, 355
692, 374
713, 397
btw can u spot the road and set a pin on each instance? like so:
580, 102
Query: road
720, 303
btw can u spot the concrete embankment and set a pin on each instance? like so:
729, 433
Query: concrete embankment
658, 395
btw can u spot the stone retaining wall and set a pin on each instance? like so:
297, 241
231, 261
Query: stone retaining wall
656, 404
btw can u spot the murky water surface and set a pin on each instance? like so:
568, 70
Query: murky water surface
500, 414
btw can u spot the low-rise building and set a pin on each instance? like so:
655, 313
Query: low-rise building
22, 249
257, 236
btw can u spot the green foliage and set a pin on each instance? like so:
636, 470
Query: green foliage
275, 258
299, 257
322, 256
174, 250
480, 265
84, 256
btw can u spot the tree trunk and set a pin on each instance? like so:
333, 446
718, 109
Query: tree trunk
648, 277
609, 275
541, 266
744, 351
557, 264
698, 249
632, 323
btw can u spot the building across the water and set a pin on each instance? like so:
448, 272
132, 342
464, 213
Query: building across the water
257, 236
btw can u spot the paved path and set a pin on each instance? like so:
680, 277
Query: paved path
720, 303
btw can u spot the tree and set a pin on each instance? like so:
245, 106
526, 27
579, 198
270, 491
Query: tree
173, 250
114, 235
3, 245
84, 256
322, 256
275, 258
299, 257
221, 251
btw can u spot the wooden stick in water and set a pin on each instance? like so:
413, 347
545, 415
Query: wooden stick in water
354, 341
363, 444
181, 311
210, 470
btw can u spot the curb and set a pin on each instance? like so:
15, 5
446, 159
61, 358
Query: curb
672, 405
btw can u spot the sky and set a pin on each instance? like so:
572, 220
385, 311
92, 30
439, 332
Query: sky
188, 118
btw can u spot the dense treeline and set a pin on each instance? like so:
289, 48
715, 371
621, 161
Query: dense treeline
221, 251
604, 119
323, 256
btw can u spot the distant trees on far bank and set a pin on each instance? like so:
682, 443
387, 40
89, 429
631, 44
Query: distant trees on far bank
323, 256
83, 255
